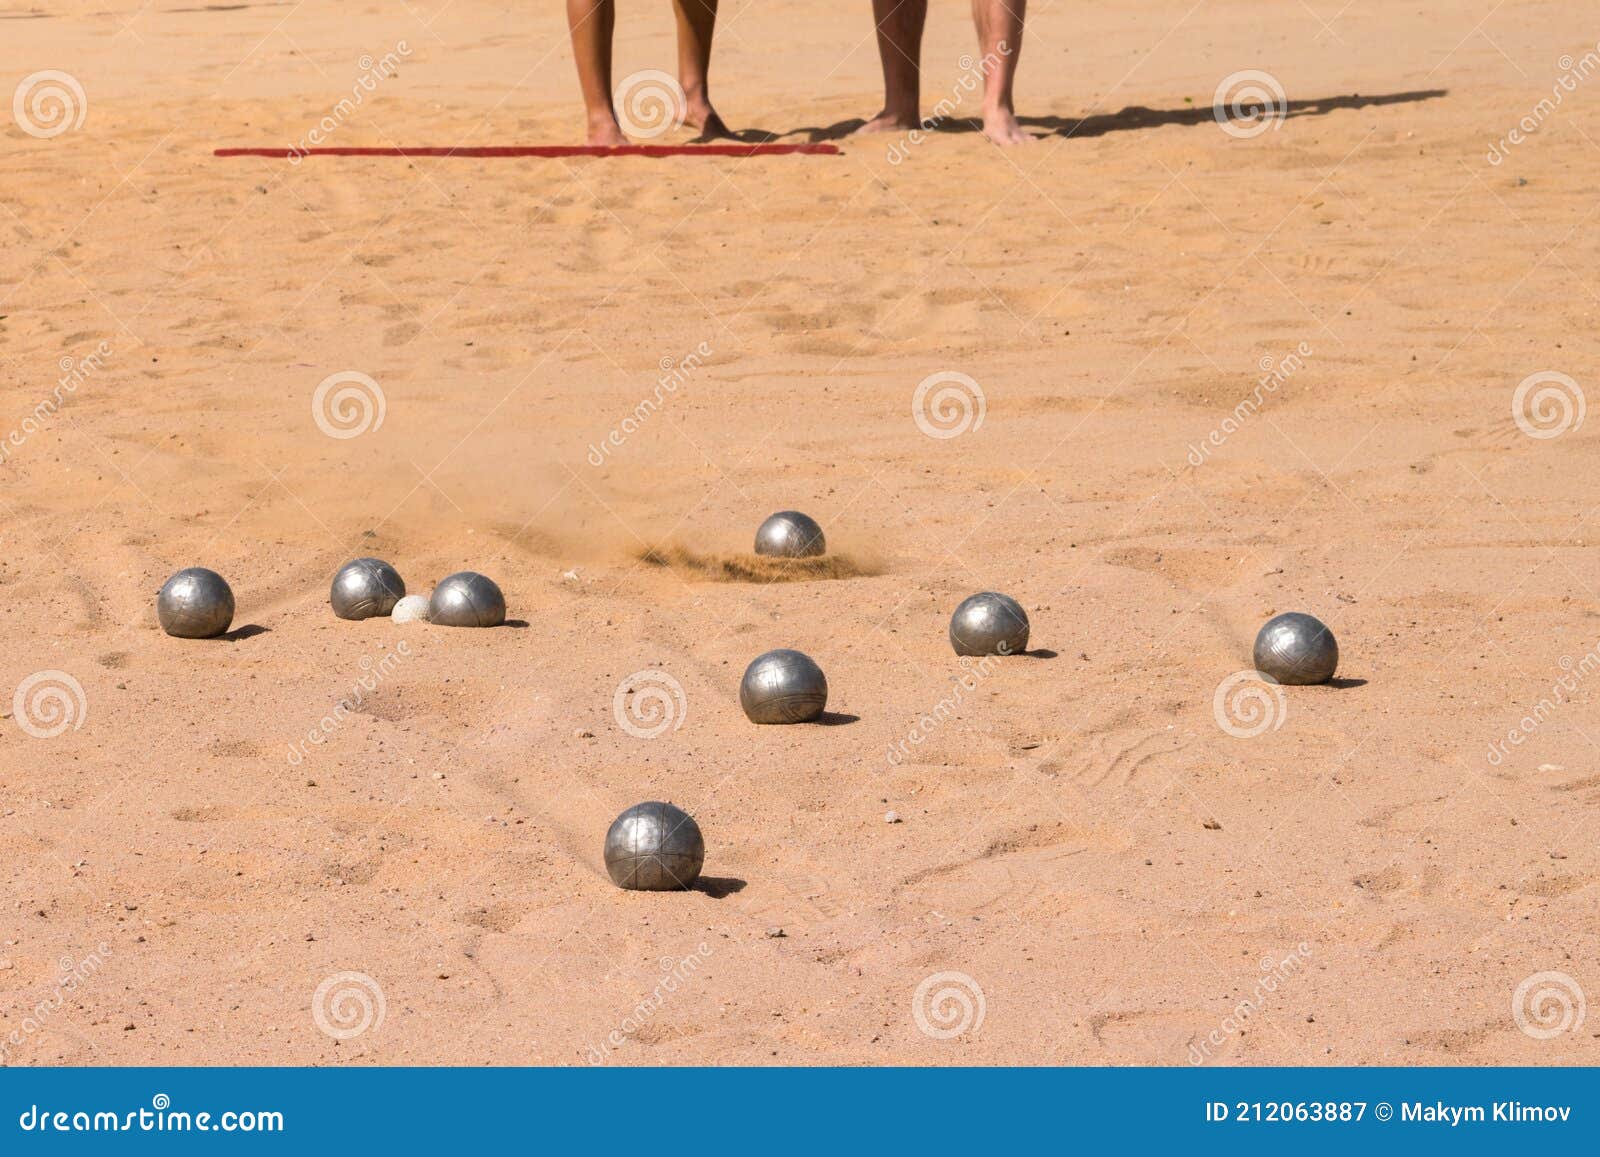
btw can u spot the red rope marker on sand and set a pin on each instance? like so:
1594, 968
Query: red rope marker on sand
545, 151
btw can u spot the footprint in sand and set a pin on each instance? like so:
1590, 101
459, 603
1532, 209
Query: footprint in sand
1120, 759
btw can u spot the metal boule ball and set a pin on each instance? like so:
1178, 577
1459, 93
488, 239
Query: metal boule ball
989, 623
411, 609
790, 534
654, 847
467, 599
195, 603
783, 687
366, 588
1297, 649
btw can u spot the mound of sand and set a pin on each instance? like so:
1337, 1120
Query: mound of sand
755, 568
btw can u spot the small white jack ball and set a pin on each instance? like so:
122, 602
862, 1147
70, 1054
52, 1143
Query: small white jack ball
411, 609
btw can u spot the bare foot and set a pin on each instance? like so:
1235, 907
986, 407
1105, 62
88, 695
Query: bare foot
1000, 126
703, 117
606, 133
891, 122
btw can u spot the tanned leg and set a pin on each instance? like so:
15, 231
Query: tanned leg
696, 20
999, 24
592, 22
900, 49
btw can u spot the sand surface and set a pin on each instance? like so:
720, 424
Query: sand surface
1120, 878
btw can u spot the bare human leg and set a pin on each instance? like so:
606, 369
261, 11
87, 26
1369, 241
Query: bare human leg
592, 22
999, 24
900, 25
696, 21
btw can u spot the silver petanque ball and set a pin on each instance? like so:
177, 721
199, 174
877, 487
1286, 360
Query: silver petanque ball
195, 603
366, 588
654, 847
467, 599
1297, 649
783, 687
790, 534
989, 623
411, 609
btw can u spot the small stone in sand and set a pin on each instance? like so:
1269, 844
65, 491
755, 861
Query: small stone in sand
891, 817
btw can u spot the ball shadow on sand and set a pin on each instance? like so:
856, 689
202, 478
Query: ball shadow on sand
248, 631
718, 887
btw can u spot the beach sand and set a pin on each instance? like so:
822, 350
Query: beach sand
1089, 866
